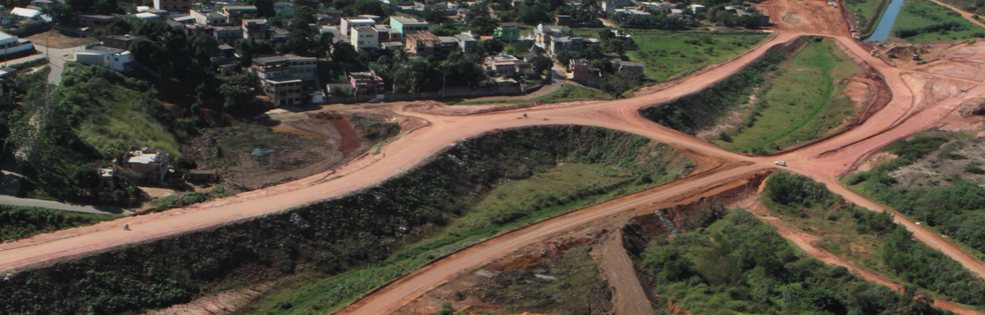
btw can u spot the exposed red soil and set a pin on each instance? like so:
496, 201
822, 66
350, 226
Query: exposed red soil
350, 140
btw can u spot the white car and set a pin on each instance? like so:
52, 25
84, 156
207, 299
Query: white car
780, 163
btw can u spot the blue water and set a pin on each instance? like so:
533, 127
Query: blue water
886, 24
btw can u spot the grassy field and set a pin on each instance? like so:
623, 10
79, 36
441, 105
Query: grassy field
669, 55
567, 93
801, 103
863, 10
925, 15
22, 222
507, 206
973, 6
120, 117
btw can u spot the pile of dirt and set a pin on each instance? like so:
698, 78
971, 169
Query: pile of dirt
272, 151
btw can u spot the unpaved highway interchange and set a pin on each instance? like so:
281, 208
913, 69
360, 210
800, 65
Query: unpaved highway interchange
909, 111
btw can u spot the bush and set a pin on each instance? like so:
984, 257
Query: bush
974, 169
797, 191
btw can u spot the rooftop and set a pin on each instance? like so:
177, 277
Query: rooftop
406, 20
364, 76
239, 7
147, 156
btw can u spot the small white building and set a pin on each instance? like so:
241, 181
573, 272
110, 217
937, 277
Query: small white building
10, 44
25, 13
109, 57
364, 38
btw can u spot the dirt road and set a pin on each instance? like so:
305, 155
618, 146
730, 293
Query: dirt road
617, 268
824, 161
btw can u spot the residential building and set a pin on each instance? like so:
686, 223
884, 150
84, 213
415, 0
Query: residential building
11, 45
285, 9
256, 29
364, 38
94, 20
192, 30
228, 34
366, 83
392, 45
629, 66
281, 77
329, 17
506, 65
107, 179
147, 16
422, 43
543, 33
349, 23
563, 20
697, 8
25, 13
558, 44
173, 5
152, 163
236, 13
182, 19
466, 42
208, 17
46, 4
283, 92
334, 30
405, 25
109, 57
385, 34
119, 41
584, 74
507, 32
610, 6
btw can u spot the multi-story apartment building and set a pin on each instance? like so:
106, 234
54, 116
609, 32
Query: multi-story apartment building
236, 13
228, 34
208, 17
256, 29
281, 77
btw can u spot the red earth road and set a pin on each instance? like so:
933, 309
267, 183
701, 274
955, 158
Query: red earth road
823, 161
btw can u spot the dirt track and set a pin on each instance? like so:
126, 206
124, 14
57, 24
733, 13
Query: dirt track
910, 111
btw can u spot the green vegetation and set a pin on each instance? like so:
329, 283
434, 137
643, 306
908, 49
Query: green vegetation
704, 108
864, 10
567, 93
190, 198
957, 210
22, 222
670, 55
93, 117
530, 197
740, 265
799, 103
380, 227
922, 21
973, 6
902, 256
575, 277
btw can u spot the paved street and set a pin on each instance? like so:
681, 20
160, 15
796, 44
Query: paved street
56, 60
99, 209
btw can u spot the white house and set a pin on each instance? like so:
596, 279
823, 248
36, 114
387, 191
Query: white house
99, 55
11, 44
25, 13
364, 38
